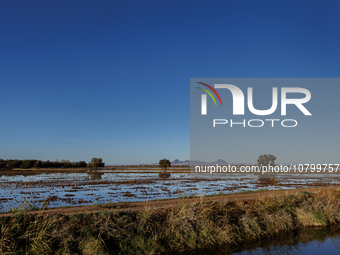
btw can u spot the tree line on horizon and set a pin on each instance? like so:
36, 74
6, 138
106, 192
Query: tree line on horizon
33, 163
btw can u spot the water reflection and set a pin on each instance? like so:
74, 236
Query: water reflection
306, 241
268, 181
164, 175
94, 174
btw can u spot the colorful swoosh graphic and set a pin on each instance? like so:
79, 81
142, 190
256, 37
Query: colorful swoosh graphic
213, 90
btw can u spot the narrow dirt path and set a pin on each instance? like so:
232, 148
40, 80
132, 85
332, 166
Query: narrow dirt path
159, 204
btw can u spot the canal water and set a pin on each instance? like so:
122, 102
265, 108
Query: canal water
303, 242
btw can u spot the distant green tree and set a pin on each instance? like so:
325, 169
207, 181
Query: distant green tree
2, 163
47, 164
27, 164
38, 164
164, 163
95, 163
81, 164
266, 160
67, 164
11, 164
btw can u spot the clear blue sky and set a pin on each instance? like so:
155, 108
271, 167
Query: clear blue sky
110, 79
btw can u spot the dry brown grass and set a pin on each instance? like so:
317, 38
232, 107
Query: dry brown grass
190, 226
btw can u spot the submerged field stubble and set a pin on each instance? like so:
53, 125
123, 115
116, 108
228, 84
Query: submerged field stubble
56, 189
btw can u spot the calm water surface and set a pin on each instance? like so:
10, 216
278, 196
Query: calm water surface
305, 242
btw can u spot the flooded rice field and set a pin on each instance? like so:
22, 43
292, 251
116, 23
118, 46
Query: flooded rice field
110, 185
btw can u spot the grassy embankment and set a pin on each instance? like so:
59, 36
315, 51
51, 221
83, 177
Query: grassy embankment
188, 227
